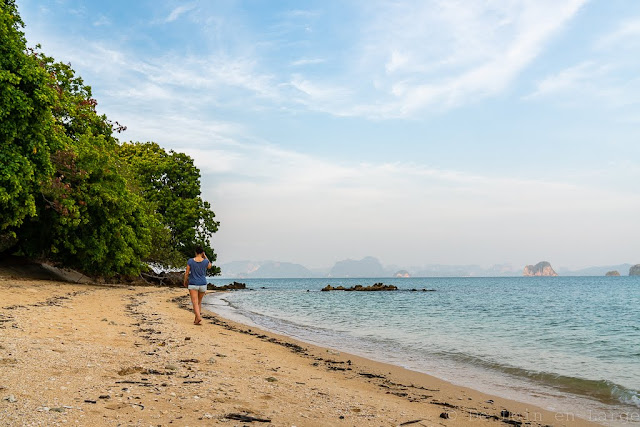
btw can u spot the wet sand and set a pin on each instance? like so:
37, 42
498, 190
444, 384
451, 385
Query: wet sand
118, 355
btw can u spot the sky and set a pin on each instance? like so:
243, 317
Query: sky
418, 132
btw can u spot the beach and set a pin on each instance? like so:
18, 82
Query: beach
122, 355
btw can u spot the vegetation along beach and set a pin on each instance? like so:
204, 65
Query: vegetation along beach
263, 157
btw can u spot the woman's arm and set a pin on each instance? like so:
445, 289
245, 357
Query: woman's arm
186, 276
205, 257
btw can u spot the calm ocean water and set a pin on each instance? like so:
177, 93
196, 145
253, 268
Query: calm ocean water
570, 344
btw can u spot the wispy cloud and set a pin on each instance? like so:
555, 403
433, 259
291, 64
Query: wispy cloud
627, 35
447, 54
572, 79
607, 78
434, 55
219, 88
101, 21
401, 201
307, 61
179, 11
403, 59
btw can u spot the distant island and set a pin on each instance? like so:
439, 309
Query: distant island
543, 268
634, 270
369, 267
613, 273
366, 267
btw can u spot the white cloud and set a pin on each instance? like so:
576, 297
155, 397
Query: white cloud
590, 83
406, 58
307, 61
361, 205
626, 36
446, 54
101, 21
179, 11
606, 79
432, 55
315, 92
568, 80
397, 61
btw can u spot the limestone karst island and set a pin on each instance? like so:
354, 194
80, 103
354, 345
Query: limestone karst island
543, 268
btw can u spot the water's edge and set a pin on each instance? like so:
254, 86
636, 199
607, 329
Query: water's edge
601, 401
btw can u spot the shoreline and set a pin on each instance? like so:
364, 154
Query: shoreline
530, 410
540, 395
105, 355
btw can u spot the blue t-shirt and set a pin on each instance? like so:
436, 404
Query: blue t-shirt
198, 271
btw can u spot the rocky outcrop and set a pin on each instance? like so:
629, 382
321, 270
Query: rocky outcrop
374, 287
542, 268
612, 273
634, 270
230, 286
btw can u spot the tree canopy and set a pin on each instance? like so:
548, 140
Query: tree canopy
170, 182
70, 192
27, 135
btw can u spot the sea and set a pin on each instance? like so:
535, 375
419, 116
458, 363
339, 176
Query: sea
567, 344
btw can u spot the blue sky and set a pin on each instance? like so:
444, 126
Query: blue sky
450, 132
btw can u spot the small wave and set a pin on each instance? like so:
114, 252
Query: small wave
601, 390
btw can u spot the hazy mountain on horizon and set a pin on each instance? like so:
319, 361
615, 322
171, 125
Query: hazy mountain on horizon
264, 270
366, 267
371, 267
623, 269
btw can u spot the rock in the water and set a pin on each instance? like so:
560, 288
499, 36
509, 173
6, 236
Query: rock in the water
230, 286
374, 287
543, 268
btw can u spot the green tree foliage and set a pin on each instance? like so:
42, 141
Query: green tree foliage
65, 192
171, 183
87, 215
26, 124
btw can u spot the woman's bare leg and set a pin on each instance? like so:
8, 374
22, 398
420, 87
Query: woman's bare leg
196, 305
200, 296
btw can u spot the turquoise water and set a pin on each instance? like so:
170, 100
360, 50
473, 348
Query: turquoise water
569, 344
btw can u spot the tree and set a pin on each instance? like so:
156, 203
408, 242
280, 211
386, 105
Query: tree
26, 126
171, 183
88, 215
68, 192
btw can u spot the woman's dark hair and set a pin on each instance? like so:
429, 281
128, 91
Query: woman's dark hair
199, 250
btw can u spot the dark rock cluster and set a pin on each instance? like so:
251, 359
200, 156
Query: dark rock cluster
230, 286
374, 287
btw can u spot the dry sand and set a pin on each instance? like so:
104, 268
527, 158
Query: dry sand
116, 355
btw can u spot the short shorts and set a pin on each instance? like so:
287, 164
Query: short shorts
199, 288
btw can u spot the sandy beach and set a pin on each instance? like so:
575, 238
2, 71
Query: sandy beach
118, 355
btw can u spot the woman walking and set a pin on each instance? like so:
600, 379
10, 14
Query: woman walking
195, 277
